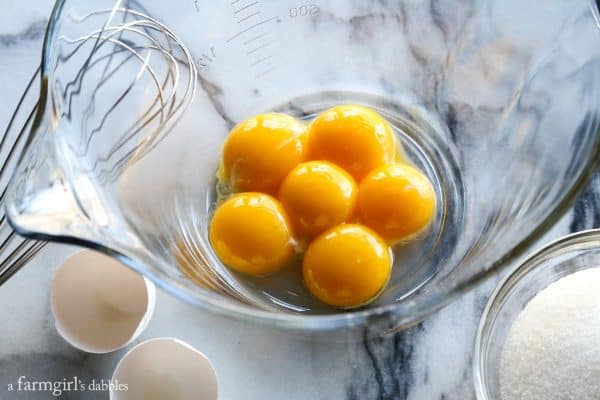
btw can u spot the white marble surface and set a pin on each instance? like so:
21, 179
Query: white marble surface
429, 361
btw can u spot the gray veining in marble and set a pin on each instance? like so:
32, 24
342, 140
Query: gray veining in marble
427, 362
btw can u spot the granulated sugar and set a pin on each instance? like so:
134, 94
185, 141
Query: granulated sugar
553, 348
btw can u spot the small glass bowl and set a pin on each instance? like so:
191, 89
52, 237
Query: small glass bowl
560, 258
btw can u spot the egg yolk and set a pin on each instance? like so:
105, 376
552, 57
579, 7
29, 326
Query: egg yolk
347, 266
260, 151
318, 195
251, 233
397, 201
353, 137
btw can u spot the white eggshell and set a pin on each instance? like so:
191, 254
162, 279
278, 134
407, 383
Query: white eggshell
164, 368
99, 305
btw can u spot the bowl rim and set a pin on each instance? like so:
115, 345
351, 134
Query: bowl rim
402, 314
537, 259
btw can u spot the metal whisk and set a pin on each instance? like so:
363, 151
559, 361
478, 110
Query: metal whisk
123, 42
16, 251
128, 46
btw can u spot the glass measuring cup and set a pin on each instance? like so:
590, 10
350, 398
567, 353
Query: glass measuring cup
497, 101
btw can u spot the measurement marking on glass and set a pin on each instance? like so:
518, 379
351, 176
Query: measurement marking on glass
262, 46
262, 60
310, 9
247, 6
205, 60
255, 38
248, 29
265, 72
248, 17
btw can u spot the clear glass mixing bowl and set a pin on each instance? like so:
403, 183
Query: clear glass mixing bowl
497, 101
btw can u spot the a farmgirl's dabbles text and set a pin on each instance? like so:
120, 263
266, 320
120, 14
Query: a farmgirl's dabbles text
336, 193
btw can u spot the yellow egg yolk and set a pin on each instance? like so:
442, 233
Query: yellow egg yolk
251, 233
318, 195
353, 137
260, 151
347, 266
397, 201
